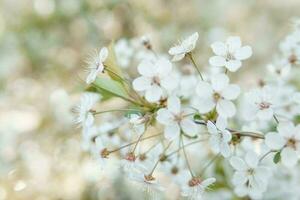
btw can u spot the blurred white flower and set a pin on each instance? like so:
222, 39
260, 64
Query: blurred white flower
124, 52
219, 137
186, 46
85, 116
260, 103
217, 94
249, 178
287, 141
138, 123
97, 66
155, 80
195, 188
175, 119
230, 54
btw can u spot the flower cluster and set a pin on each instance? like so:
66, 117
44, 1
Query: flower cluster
196, 129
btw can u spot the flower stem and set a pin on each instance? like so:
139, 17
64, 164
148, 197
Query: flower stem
115, 110
190, 55
134, 142
186, 158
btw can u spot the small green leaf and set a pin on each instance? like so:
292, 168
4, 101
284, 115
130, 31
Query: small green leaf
110, 88
277, 157
197, 117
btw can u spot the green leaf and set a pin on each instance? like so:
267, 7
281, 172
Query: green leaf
110, 88
197, 117
111, 65
277, 157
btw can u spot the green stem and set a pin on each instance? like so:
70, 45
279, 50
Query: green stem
190, 55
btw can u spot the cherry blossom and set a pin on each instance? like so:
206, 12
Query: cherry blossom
186, 46
219, 137
230, 54
155, 80
175, 119
97, 65
85, 116
219, 94
287, 141
249, 178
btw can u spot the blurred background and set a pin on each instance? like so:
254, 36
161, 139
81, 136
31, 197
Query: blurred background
43, 48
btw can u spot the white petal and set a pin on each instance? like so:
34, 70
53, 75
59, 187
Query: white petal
211, 128
163, 67
188, 126
219, 82
205, 105
178, 57
274, 141
289, 157
141, 83
221, 123
174, 104
219, 48
146, 68
243, 53
225, 149
233, 65
89, 120
176, 50
231, 92
226, 136
226, 108
208, 182
286, 129
239, 178
164, 116
238, 164
251, 159
103, 54
172, 131
217, 61
233, 43
153, 94
265, 114
169, 83
204, 89
92, 76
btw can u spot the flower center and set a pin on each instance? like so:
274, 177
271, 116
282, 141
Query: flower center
216, 96
194, 182
264, 105
250, 171
293, 59
156, 80
130, 157
229, 57
291, 143
174, 170
178, 117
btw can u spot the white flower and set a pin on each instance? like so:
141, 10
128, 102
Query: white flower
287, 140
175, 119
85, 116
97, 65
219, 137
138, 123
124, 53
195, 188
230, 54
260, 103
249, 178
178, 52
146, 182
217, 94
155, 80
